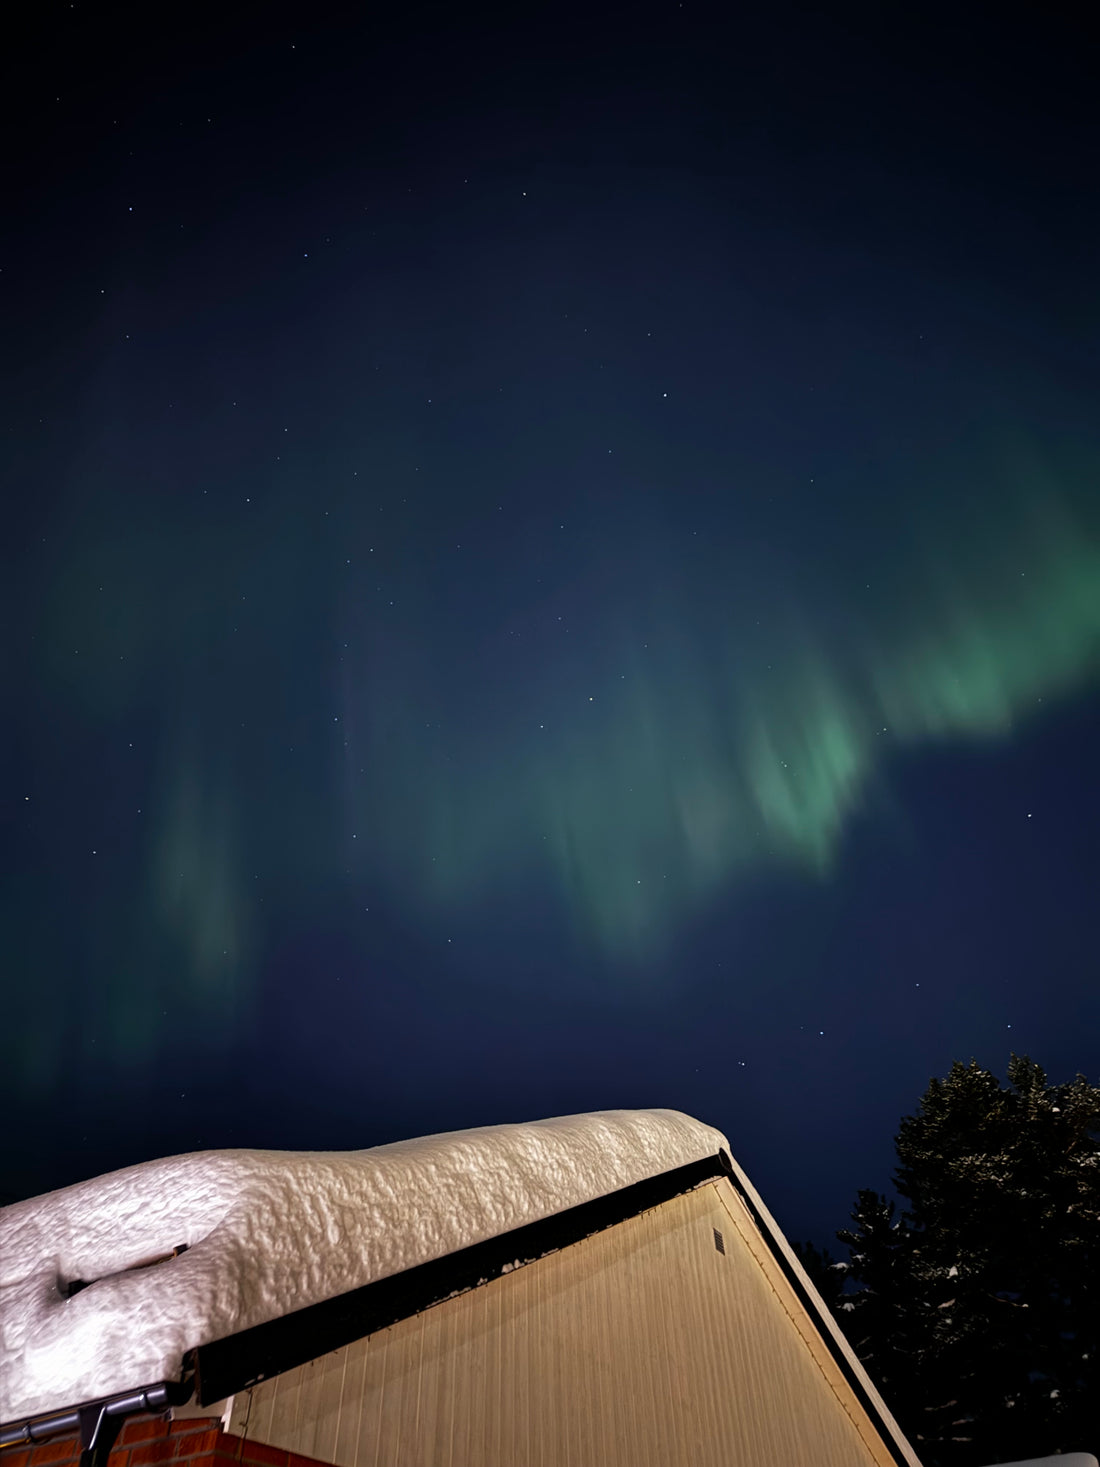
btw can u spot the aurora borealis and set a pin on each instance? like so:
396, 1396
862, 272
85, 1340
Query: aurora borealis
549, 566
742, 708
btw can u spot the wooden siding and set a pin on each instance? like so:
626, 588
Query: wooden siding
642, 1345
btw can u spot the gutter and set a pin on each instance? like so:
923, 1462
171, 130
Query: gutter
99, 1422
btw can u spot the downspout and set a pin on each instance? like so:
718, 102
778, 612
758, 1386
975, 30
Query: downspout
99, 1422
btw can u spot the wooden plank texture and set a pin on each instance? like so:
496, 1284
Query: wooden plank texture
643, 1345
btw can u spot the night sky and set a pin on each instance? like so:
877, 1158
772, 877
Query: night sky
551, 561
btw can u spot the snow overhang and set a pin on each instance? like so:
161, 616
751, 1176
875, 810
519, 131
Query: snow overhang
175, 1254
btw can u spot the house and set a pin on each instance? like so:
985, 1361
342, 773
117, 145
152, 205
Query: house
592, 1289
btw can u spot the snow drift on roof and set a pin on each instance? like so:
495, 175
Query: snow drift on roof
268, 1232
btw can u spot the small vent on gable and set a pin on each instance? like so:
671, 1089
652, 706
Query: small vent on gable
719, 1241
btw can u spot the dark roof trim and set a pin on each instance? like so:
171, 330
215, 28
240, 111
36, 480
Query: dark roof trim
818, 1312
232, 1364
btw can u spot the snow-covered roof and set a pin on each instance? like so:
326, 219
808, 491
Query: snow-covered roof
268, 1232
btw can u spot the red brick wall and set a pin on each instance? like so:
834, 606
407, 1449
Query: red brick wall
157, 1442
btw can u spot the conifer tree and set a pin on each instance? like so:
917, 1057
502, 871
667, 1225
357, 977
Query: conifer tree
977, 1311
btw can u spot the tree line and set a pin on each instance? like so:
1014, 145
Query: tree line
975, 1307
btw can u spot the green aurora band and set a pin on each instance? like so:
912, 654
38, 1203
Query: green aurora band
718, 721
610, 752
